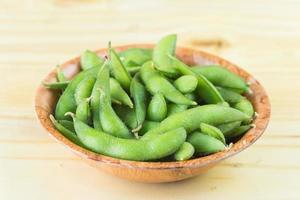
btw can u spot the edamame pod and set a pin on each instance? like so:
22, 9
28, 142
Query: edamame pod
186, 83
237, 101
135, 56
84, 89
163, 63
130, 149
66, 132
95, 99
191, 96
205, 89
66, 102
245, 106
212, 131
90, 59
127, 115
191, 118
157, 83
110, 122
139, 94
205, 144
118, 94
157, 109
239, 91
56, 85
118, 70
67, 124
176, 108
185, 152
83, 111
133, 70
147, 126
225, 128
60, 75
238, 131
221, 76
230, 96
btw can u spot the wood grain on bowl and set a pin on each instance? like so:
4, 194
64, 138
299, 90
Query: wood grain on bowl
157, 171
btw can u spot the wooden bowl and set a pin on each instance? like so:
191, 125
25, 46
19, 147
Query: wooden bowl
155, 172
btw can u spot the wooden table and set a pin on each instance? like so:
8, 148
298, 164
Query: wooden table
263, 38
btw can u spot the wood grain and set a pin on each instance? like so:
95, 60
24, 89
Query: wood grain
37, 35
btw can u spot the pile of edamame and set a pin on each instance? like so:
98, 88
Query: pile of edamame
148, 105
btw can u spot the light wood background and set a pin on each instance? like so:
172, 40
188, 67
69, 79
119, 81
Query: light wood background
261, 36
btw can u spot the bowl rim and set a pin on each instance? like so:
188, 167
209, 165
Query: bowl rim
259, 98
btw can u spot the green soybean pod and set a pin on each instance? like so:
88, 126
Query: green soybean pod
221, 76
238, 131
118, 94
205, 144
139, 94
66, 102
90, 59
83, 111
56, 85
118, 70
212, 131
147, 126
110, 122
176, 108
226, 128
133, 70
185, 152
84, 89
127, 115
186, 83
66, 132
130, 149
166, 46
67, 124
191, 96
205, 89
236, 90
191, 118
135, 56
230, 96
157, 109
157, 83
224, 104
246, 107
95, 99
60, 75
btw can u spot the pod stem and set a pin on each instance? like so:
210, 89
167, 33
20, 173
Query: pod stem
136, 135
135, 130
70, 114
53, 120
131, 105
194, 103
117, 102
228, 147
88, 99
